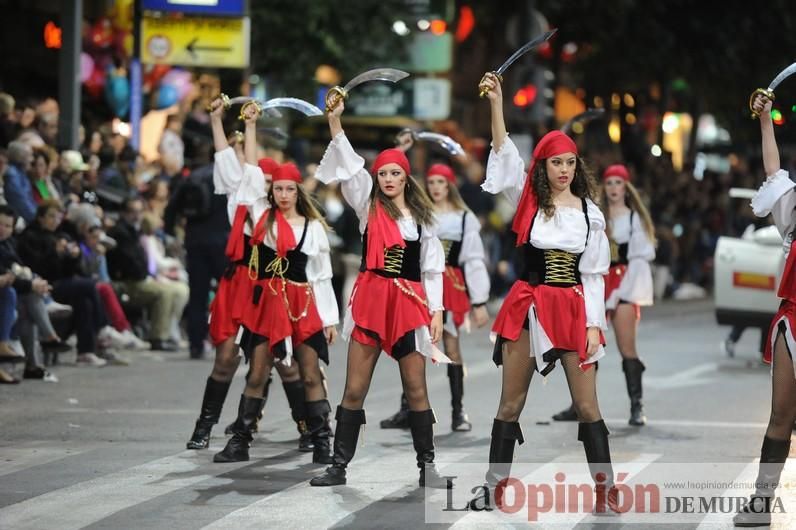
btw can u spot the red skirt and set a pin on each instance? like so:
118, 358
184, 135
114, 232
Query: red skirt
273, 301
232, 295
613, 279
454, 294
388, 308
787, 310
560, 312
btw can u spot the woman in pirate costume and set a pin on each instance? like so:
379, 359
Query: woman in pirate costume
556, 310
292, 312
628, 285
465, 284
776, 197
238, 175
396, 304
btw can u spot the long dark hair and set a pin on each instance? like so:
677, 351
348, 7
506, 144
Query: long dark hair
417, 200
305, 205
583, 185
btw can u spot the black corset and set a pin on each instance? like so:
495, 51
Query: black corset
553, 267
452, 251
618, 253
398, 262
293, 267
556, 268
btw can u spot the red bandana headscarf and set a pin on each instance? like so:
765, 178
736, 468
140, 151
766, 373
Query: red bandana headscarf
443, 171
616, 170
383, 231
287, 171
552, 144
268, 166
285, 238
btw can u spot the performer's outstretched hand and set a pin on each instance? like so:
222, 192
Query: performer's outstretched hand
491, 83
436, 327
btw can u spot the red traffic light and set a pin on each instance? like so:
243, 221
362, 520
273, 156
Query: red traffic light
525, 96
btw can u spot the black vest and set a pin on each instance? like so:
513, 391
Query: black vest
294, 266
453, 249
619, 251
398, 262
553, 267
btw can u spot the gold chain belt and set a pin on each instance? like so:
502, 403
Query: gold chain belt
407, 290
451, 274
279, 267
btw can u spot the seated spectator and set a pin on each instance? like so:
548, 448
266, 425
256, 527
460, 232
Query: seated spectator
8, 310
128, 265
40, 176
54, 256
33, 326
93, 243
75, 174
167, 270
18, 191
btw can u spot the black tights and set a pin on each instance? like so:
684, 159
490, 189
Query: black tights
518, 368
783, 393
359, 372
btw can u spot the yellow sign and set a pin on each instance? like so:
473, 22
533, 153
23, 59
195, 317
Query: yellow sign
196, 41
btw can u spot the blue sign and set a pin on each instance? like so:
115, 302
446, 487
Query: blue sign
229, 8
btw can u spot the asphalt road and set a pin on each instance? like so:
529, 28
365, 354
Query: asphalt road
105, 448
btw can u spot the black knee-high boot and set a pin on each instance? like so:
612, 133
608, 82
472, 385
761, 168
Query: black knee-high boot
237, 448
294, 391
320, 430
459, 421
633, 369
228, 429
594, 436
421, 423
399, 420
505, 434
773, 456
212, 402
501, 449
346, 435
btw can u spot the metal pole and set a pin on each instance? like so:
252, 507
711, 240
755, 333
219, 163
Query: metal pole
136, 83
69, 73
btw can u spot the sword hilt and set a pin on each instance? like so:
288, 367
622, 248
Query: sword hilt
766, 93
334, 96
242, 116
484, 91
224, 102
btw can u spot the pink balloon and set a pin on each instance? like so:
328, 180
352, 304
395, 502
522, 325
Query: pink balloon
86, 66
179, 79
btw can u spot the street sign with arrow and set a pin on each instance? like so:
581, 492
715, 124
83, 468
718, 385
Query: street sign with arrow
196, 41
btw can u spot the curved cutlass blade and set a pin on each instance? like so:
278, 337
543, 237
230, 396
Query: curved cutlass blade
270, 106
446, 142
784, 74
378, 74
528, 46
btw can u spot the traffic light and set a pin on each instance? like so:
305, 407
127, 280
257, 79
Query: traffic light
525, 95
777, 117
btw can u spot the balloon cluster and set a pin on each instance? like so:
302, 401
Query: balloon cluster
107, 47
